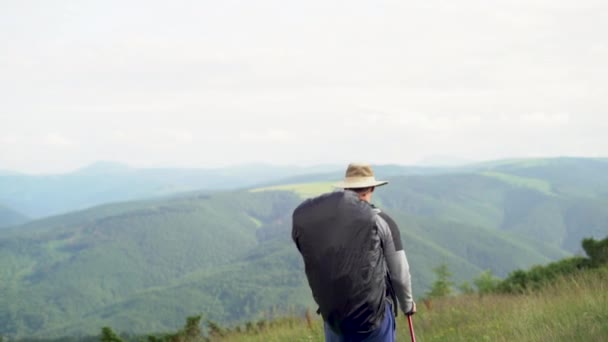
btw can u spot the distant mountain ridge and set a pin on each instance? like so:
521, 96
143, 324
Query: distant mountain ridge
105, 182
38, 196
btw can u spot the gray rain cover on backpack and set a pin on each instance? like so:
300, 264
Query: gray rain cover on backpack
339, 242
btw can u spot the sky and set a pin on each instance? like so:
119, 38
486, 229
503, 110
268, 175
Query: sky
217, 83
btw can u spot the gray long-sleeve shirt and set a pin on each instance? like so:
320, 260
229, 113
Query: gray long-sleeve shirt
396, 260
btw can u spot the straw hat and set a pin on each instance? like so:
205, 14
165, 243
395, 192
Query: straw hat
359, 176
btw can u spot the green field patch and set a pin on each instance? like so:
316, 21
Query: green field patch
517, 162
532, 183
257, 222
304, 190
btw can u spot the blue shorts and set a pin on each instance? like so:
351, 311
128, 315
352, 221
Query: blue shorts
384, 333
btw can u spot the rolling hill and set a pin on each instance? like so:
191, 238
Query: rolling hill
144, 266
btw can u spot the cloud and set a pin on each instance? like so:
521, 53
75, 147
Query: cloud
310, 80
9, 140
57, 140
181, 136
426, 122
546, 119
272, 135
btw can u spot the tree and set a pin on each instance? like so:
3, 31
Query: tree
191, 332
597, 251
486, 282
107, 335
466, 288
442, 287
215, 330
193, 327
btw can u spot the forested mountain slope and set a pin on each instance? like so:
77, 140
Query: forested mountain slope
86, 264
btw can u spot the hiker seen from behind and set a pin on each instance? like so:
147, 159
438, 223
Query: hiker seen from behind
354, 260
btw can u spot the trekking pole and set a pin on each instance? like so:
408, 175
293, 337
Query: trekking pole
409, 321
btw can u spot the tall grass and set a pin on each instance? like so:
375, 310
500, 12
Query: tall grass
573, 308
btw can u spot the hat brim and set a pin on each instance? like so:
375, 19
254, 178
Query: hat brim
359, 185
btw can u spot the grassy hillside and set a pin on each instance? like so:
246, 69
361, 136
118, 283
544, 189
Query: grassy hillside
144, 266
574, 308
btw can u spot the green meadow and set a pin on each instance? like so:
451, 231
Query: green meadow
573, 308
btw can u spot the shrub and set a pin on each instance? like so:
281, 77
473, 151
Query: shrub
442, 287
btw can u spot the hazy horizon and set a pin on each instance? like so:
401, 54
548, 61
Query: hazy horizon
202, 85
438, 162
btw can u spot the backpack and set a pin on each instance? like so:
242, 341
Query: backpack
343, 258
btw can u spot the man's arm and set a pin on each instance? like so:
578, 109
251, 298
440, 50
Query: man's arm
396, 260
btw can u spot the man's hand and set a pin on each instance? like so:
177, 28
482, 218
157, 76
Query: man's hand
413, 310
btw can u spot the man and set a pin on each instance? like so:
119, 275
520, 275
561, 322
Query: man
354, 260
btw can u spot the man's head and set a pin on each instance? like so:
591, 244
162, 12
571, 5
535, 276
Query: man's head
360, 178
